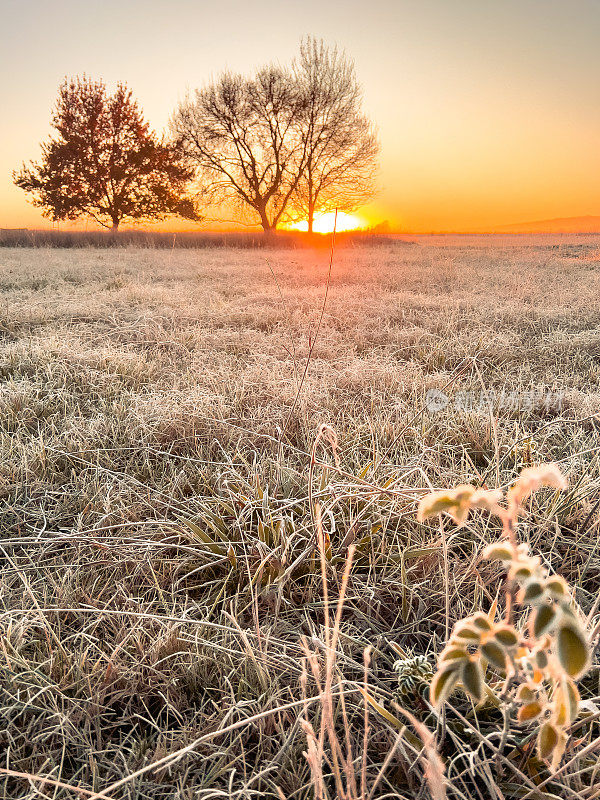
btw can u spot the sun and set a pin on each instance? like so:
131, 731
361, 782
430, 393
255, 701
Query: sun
324, 223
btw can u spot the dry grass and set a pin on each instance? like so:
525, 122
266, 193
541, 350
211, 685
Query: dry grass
142, 388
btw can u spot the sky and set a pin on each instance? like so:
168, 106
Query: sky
488, 110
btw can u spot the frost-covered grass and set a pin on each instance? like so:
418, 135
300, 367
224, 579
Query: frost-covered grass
144, 388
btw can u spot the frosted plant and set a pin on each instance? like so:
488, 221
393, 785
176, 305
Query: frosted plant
541, 647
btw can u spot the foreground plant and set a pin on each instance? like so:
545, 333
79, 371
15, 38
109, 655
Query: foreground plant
541, 647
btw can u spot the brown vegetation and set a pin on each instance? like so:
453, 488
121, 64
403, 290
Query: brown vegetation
104, 162
158, 564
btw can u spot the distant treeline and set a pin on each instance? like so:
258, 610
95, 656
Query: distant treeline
187, 240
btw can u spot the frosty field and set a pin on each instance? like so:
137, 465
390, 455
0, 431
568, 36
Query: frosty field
145, 389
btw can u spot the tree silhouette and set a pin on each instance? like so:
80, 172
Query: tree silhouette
105, 162
243, 136
341, 145
284, 144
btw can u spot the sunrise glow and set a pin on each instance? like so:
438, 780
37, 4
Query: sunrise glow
463, 147
324, 223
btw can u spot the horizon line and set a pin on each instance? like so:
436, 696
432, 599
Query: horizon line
501, 230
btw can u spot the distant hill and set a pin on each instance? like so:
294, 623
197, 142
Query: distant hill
589, 224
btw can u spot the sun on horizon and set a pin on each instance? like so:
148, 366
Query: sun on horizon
324, 223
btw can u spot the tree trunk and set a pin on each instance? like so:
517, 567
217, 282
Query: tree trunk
266, 223
311, 199
115, 225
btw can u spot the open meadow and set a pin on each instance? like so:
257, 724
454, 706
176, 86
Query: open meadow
160, 585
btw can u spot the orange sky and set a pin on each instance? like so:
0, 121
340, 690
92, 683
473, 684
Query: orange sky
489, 110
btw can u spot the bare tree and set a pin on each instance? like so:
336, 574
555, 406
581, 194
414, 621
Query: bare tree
105, 162
341, 144
243, 136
